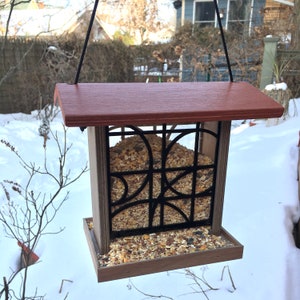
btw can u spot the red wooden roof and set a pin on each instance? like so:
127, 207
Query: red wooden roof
97, 104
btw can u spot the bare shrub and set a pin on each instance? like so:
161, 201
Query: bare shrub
28, 210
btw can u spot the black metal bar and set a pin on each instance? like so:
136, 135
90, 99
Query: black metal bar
223, 40
86, 42
163, 178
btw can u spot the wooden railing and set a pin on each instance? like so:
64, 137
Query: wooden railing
289, 61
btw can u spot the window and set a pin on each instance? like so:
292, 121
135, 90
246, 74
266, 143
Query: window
236, 15
239, 15
204, 13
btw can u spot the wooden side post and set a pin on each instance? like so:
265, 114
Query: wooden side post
99, 186
221, 176
208, 145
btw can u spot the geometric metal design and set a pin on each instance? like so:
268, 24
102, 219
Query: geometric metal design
156, 183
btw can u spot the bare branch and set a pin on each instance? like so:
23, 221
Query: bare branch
150, 295
230, 276
28, 212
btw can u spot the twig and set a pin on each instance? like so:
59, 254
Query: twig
196, 278
150, 295
231, 279
5, 288
62, 283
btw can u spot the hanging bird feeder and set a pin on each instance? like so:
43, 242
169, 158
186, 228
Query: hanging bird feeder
158, 158
152, 181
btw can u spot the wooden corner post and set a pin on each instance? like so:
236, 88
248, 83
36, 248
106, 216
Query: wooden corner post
221, 175
99, 186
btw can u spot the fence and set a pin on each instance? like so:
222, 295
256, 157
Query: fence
280, 65
289, 68
29, 69
203, 68
214, 68
19, 73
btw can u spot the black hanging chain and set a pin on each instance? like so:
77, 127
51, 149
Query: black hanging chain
85, 47
86, 41
223, 40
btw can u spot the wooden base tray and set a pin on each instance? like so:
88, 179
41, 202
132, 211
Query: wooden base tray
232, 249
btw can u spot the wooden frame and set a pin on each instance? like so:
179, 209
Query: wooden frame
160, 264
221, 176
99, 186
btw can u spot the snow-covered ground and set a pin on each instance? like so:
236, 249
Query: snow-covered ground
261, 203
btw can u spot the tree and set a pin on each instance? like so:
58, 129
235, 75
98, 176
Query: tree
141, 17
137, 18
296, 37
10, 5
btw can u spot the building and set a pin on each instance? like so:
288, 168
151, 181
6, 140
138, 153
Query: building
276, 10
37, 19
241, 15
235, 14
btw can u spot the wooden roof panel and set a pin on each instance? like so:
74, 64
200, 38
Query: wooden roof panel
98, 104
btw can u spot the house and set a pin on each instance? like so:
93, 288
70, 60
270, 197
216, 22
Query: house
37, 19
278, 10
235, 14
241, 15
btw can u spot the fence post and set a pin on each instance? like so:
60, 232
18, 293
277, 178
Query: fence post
269, 58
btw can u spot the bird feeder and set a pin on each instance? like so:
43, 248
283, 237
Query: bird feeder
158, 157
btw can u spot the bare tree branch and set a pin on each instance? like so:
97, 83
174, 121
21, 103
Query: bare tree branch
29, 211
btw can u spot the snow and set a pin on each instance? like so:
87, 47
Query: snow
276, 86
261, 204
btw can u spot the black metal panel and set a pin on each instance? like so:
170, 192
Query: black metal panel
158, 178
